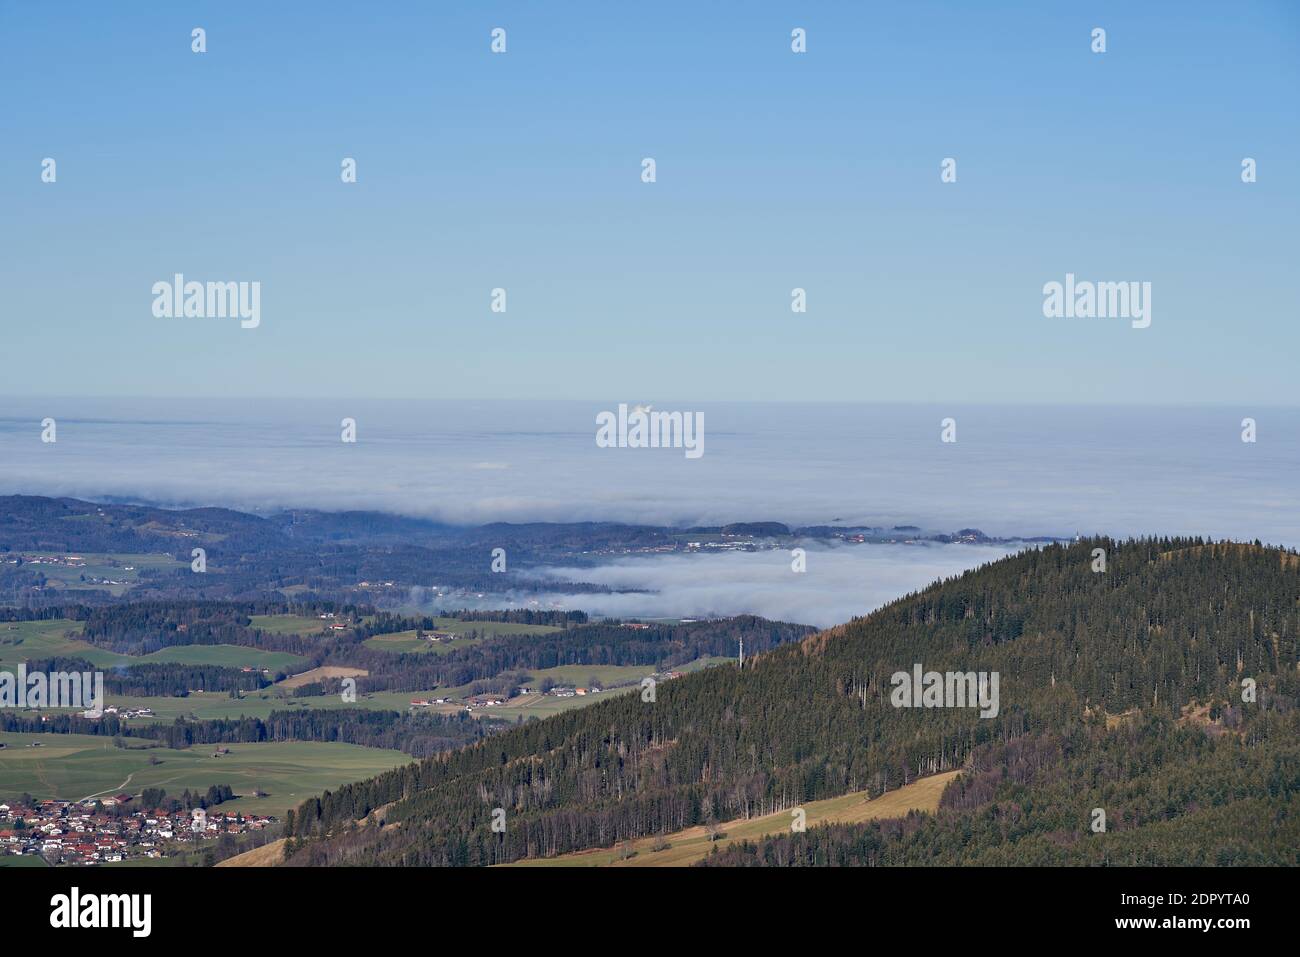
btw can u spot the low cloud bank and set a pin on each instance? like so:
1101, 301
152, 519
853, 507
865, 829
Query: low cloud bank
1013, 472
840, 581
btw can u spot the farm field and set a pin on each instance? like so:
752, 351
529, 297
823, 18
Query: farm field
405, 642
256, 704
197, 706
543, 706
693, 844
581, 675
610, 675
320, 674
22, 860
290, 624
27, 640
611, 679
564, 675
376, 700
492, 629
298, 624
230, 656
75, 766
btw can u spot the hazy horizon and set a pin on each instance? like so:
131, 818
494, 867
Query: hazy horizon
594, 398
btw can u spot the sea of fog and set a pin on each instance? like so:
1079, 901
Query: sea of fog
1013, 471
839, 581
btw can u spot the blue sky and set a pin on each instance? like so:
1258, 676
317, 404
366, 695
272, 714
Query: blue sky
775, 170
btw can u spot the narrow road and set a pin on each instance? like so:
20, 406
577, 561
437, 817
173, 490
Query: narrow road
106, 790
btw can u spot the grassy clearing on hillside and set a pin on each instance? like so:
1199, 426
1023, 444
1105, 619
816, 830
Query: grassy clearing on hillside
610, 675
268, 855
581, 675
321, 674
75, 766
693, 844
543, 706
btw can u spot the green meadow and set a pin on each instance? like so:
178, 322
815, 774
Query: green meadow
543, 706
611, 679
77, 766
405, 642
290, 624
492, 629
230, 656
26, 640
611, 675
257, 704
22, 860
298, 624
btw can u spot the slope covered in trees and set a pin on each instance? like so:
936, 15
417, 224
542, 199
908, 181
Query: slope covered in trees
1171, 794
1169, 624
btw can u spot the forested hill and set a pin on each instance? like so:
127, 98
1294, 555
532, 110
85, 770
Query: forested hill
1141, 663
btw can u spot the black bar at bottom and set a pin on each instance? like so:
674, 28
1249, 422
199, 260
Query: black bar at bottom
341, 905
